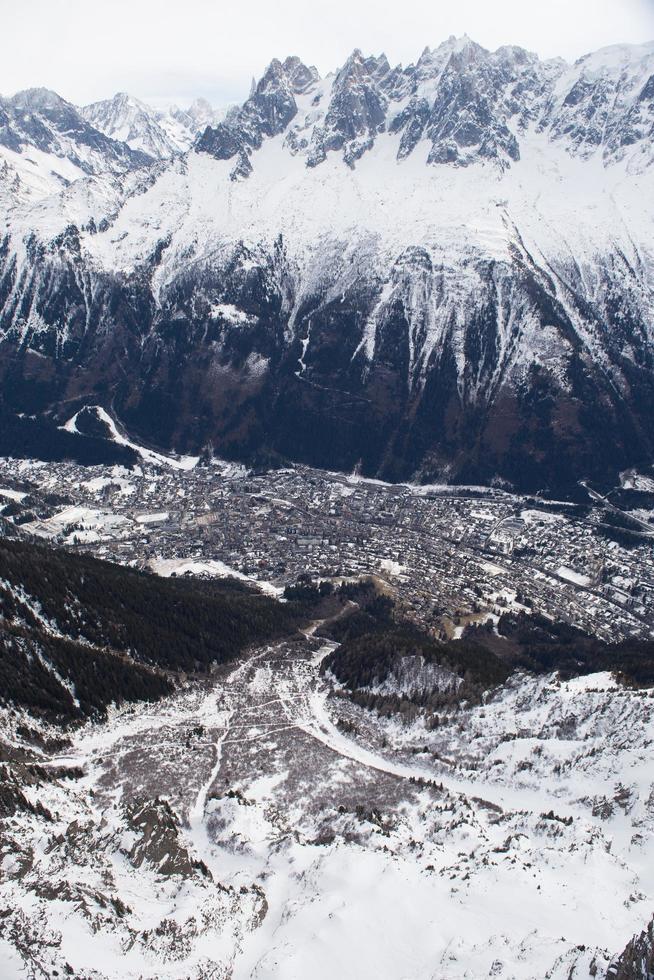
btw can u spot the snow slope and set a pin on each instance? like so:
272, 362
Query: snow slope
342, 854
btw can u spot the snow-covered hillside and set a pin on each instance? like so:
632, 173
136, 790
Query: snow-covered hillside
244, 830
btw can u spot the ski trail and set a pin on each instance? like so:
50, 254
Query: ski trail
320, 726
219, 719
196, 813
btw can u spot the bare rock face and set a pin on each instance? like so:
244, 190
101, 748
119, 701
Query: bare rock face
158, 843
357, 110
268, 112
637, 960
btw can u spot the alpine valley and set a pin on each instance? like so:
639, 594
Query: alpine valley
327, 526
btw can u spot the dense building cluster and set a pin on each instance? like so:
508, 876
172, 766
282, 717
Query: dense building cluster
451, 556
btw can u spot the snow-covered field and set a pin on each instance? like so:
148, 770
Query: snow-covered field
569, 574
211, 568
78, 523
514, 840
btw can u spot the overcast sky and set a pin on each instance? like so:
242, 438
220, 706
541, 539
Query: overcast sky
174, 50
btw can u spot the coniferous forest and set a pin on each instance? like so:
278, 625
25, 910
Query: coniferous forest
77, 633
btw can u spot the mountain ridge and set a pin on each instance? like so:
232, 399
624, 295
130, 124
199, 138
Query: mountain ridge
438, 272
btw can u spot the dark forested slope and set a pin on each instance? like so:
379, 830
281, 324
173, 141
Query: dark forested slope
77, 634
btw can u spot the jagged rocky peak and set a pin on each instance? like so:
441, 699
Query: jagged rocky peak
607, 101
357, 109
529, 83
360, 70
123, 109
430, 63
301, 77
267, 112
201, 110
273, 104
197, 117
464, 51
32, 107
468, 116
459, 103
125, 99
467, 105
121, 102
514, 54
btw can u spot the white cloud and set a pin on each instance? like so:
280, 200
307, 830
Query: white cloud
165, 51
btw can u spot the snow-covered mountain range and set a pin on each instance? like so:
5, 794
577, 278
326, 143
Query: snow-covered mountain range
47, 143
438, 271
160, 134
